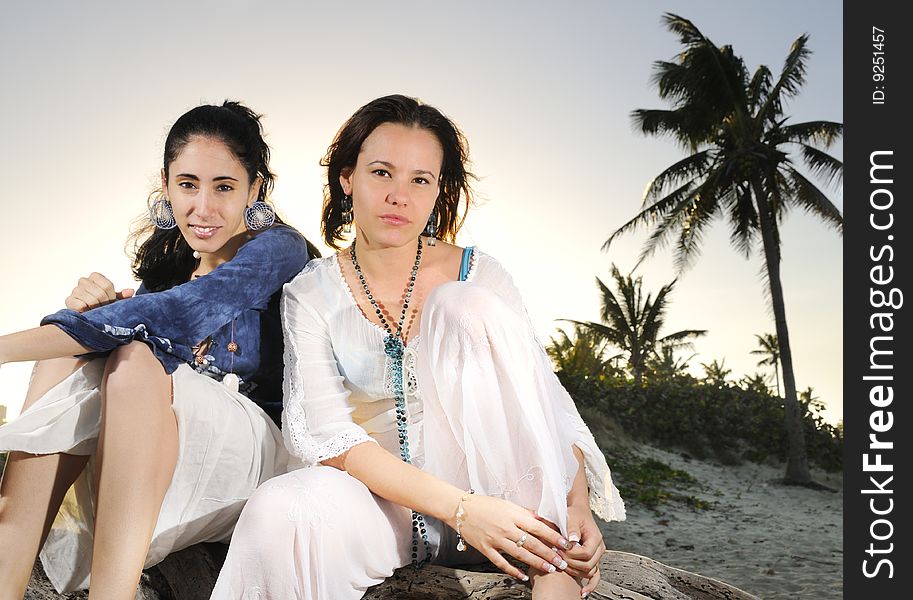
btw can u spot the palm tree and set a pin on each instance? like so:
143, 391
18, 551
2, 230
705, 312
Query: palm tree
756, 383
739, 168
769, 348
664, 365
715, 373
633, 322
809, 400
583, 355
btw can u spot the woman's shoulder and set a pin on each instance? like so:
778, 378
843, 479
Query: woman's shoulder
317, 273
281, 236
483, 265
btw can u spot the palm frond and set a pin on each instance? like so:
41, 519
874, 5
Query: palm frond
821, 133
696, 220
684, 170
743, 220
807, 195
822, 164
759, 87
791, 79
654, 213
679, 336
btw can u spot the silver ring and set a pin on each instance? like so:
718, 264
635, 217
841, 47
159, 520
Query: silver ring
522, 540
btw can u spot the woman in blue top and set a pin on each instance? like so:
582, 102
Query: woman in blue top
161, 406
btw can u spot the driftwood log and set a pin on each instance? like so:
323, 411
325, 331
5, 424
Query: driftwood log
191, 574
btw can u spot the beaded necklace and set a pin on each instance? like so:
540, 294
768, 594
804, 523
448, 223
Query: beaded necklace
393, 348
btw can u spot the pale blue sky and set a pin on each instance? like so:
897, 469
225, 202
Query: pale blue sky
542, 90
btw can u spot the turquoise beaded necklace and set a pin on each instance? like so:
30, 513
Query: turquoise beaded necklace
393, 348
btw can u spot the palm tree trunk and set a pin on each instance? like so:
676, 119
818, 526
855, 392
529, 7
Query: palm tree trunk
777, 375
797, 462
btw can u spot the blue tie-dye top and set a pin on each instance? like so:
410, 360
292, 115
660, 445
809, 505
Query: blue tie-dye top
194, 322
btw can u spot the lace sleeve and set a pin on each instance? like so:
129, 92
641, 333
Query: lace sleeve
316, 421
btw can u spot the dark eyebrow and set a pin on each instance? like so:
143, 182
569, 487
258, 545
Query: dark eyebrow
195, 178
390, 166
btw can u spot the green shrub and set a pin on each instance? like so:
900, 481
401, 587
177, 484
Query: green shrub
649, 482
725, 421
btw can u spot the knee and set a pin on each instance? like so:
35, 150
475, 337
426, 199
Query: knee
130, 367
468, 308
309, 502
266, 509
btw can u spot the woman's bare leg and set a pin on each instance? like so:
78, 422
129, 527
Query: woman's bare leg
553, 586
29, 483
137, 453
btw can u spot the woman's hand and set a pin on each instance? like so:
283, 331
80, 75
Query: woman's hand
494, 526
94, 291
584, 556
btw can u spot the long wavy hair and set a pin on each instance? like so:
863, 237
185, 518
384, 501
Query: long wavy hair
455, 195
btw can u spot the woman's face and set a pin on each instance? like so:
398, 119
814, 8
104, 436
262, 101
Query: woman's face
394, 184
209, 191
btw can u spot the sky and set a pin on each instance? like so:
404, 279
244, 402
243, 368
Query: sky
542, 90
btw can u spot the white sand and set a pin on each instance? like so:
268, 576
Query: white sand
772, 540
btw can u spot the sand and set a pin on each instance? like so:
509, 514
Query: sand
772, 540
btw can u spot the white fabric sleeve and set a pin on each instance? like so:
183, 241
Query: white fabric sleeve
605, 501
316, 418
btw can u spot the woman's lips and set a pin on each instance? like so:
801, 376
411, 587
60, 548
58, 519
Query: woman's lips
391, 219
204, 232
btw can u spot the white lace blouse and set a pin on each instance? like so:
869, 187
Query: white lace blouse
338, 389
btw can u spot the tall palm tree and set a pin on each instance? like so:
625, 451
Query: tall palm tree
733, 124
769, 348
632, 322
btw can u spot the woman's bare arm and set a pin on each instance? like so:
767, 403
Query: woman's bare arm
491, 525
40, 343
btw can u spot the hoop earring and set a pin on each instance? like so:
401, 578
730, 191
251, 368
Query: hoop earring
347, 214
161, 214
259, 216
431, 228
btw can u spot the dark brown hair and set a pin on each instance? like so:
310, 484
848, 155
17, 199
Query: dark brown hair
343, 154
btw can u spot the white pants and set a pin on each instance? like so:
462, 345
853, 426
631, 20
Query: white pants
495, 419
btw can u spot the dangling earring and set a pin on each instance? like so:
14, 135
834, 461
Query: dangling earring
259, 216
431, 228
347, 214
162, 214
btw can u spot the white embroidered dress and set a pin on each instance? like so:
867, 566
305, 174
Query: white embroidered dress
485, 411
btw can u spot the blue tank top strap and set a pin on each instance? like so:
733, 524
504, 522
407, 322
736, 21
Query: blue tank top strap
464, 263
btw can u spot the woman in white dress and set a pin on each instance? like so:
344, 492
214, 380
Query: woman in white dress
159, 406
417, 394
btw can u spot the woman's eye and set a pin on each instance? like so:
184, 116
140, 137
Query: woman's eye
187, 185
225, 188
420, 180
381, 172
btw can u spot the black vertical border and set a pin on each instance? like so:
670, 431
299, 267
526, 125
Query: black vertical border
869, 128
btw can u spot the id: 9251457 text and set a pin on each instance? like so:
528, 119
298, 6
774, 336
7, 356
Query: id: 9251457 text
878, 65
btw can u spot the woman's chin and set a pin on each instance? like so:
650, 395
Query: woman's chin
392, 238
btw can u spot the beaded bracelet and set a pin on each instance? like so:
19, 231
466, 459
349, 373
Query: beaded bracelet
461, 545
